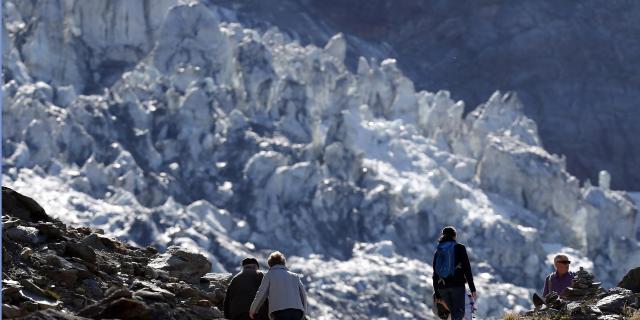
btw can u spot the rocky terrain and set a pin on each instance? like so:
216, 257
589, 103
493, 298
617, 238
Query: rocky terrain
587, 300
174, 128
54, 271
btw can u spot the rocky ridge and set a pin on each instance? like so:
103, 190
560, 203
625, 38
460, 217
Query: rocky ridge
55, 271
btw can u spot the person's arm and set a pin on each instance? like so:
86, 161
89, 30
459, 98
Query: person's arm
545, 291
261, 295
303, 296
227, 300
435, 279
466, 267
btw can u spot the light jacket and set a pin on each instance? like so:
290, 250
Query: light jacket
284, 290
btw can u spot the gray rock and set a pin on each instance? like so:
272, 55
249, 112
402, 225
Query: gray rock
26, 253
24, 234
20, 206
81, 251
9, 311
631, 280
184, 265
51, 230
124, 308
582, 311
616, 302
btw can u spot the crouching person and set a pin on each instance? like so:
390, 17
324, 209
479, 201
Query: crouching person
283, 289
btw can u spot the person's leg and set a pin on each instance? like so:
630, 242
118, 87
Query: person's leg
294, 314
243, 316
537, 300
287, 314
456, 302
446, 295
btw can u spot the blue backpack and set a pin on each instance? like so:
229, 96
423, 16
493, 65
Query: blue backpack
445, 259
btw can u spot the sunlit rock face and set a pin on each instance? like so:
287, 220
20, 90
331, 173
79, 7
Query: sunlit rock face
233, 142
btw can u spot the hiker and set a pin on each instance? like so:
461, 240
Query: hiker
451, 270
242, 290
286, 294
557, 281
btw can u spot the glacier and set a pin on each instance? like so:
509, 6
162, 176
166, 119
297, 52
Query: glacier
174, 128
571, 62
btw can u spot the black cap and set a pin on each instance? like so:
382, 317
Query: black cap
248, 261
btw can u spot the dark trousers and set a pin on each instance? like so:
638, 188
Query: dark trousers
287, 314
243, 316
454, 297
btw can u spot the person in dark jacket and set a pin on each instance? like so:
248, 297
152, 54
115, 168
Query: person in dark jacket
242, 290
451, 289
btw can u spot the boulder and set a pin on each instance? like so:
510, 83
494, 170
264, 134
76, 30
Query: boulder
20, 206
82, 251
51, 230
100, 242
616, 300
631, 280
24, 234
124, 308
184, 265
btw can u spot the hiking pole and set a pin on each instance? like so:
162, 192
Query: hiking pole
472, 302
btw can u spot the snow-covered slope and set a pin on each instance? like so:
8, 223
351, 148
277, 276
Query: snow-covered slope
234, 142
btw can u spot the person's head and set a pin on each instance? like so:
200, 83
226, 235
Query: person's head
561, 263
448, 233
250, 264
276, 258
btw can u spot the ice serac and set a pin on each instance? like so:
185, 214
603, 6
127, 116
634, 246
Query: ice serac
572, 63
337, 47
77, 43
190, 36
231, 141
